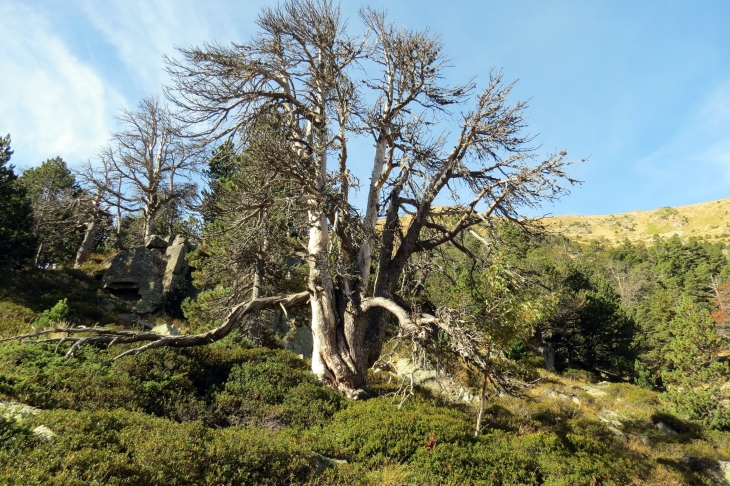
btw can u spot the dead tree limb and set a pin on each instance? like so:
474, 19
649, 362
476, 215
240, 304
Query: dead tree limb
109, 337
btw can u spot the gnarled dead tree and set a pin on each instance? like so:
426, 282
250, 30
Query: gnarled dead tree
152, 159
430, 140
303, 66
99, 183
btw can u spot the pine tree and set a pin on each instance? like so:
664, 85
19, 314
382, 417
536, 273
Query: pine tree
16, 215
697, 382
54, 195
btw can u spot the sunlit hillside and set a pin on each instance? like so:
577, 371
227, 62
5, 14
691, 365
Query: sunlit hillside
710, 220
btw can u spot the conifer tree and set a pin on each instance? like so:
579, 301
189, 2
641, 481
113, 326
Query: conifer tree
54, 194
697, 382
16, 214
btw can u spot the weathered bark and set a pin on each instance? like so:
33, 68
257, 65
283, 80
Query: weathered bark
331, 359
149, 225
87, 245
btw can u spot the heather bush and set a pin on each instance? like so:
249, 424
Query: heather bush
121, 447
376, 432
216, 385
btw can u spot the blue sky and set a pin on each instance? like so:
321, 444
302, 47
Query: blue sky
642, 88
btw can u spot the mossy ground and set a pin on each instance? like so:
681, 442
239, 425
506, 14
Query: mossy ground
233, 414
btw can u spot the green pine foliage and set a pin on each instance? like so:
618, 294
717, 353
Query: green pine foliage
598, 335
53, 191
697, 382
54, 315
231, 248
17, 242
127, 448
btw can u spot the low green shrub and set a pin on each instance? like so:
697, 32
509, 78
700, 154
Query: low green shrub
580, 375
121, 447
275, 389
15, 319
494, 460
54, 315
376, 432
216, 385
39, 290
543, 457
591, 436
643, 377
14, 437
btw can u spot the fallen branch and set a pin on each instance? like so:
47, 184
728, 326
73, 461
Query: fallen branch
110, 337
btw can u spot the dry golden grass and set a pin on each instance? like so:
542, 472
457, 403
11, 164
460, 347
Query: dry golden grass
391, 475
629, 409
710, 220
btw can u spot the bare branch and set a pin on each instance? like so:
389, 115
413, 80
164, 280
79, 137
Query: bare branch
109, 337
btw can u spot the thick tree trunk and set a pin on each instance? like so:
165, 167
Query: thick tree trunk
149, 225
87, 245
547, 352
255, 327
334, 358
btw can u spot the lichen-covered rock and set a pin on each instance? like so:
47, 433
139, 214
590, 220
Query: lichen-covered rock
166, 330
300, 341
155, 241
617, 432
176, 266
44, 432
665, 429
151, 298
129, 269
17, 411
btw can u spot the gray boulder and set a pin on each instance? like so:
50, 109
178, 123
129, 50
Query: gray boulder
129, 269
665, 429
17, 411
155, 241
146, 274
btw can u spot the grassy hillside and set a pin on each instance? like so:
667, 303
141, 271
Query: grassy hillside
710, 220
232, 414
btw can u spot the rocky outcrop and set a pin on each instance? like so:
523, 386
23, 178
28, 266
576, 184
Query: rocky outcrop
148, 273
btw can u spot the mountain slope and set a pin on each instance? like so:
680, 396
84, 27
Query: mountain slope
710, 220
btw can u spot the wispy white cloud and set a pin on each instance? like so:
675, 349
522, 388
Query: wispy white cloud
142, 31
698, 154
51, 102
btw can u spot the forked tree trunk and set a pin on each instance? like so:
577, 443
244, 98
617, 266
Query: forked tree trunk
334, 357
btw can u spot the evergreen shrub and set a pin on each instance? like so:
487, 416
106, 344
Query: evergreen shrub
376, 432
122, 447
54, 315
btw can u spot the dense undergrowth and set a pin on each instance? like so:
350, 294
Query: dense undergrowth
235, 414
